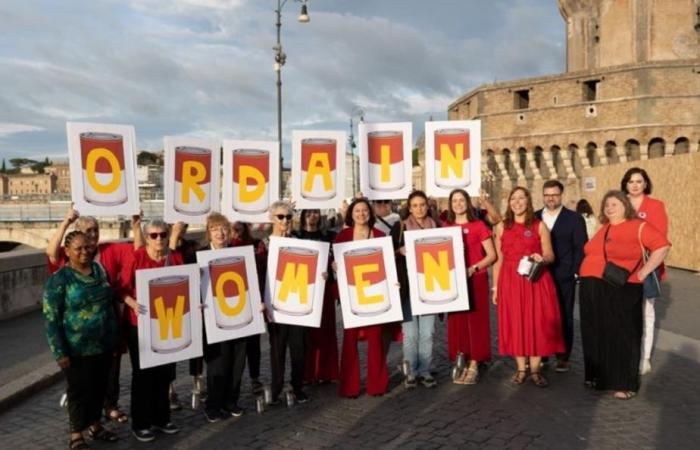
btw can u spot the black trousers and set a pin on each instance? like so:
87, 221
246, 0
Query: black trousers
566, 292
149, 388
87, 381
253, 355
225, 365
112, 388
611, 332
281, 337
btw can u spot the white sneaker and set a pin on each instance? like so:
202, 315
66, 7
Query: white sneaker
645, 367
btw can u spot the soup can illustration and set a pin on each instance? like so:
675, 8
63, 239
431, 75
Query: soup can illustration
295, 281
318, 168
368, 287
169, 310
435, 263
251, 181
102, 157
229, 284
386, 164
192, 180
452, 158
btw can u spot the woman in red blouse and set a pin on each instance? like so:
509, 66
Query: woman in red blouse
469, 332
637, 185
611, 316
359, 220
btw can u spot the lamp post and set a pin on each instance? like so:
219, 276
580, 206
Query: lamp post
280, 59
361, 114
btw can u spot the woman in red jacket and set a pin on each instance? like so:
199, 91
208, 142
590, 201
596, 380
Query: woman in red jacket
359, 220
637, 185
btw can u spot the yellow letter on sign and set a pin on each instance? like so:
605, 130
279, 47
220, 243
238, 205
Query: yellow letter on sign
250, 176
295, 279
385, 154
435, 270
170, 318
192, 173
358, 272
95, 155
451, 160
319, 165
230, 277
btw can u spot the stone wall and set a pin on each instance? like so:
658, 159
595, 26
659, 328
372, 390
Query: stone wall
22, 277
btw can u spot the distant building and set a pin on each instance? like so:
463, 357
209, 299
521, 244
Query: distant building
21, 184
62, 172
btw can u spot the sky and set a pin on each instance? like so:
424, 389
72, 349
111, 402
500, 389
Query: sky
204, 68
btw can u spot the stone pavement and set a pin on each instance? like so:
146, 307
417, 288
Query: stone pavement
492, 414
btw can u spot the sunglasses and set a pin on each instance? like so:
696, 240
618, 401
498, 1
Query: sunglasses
162, 235
281, 217
382, 201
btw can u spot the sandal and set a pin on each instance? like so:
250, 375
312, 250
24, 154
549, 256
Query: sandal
471, 376
116, 415
539, 380
519, 377
100, 433
78, 444
624, 395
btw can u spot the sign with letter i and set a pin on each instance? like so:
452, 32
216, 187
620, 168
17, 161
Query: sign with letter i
102, 169
318, 169
385, 160
192, 179
171, 329
452, 157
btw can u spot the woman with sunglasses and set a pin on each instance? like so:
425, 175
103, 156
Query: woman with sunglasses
284, 335
81, 327
359, 222
322, 349
150, 405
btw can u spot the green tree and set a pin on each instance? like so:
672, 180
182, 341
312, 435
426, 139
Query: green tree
3, 169
146, 158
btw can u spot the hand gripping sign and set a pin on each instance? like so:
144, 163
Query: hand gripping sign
171, 330
452, 156
103, 169
250, 180
385, 160
230, 293
437, 257
193, 164
295, 284
318, 168
367, 282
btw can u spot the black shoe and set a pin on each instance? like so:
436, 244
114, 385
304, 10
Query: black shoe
257, 386
301, 397
212, 416
234, 411
144, 435
168, 428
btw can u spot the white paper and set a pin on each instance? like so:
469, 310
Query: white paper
435, 184
320, 188
391, 180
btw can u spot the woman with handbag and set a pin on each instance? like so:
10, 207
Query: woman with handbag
612, 273
529, 320
637, 185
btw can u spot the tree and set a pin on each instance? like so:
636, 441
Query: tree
3, 169
146, 158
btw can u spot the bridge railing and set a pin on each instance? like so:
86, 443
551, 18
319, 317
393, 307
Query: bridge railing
55, 210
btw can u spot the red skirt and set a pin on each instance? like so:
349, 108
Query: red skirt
322, 349
469, 332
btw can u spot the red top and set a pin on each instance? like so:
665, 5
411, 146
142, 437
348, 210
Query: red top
345, 235
473, 234
140, 260
111, 255
623, 248
653, 212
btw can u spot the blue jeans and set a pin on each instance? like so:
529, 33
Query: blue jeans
418, 344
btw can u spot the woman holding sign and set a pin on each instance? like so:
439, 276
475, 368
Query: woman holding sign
359, 221
529, 321
417, 330
150, 404
469, 332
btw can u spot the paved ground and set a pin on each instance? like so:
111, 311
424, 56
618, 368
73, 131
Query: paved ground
492, 414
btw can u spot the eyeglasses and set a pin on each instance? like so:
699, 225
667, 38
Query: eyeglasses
162, 235
380, 202
281, 217
551, 195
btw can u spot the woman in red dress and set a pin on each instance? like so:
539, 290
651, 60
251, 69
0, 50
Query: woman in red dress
360, 225
469, 332
529, 321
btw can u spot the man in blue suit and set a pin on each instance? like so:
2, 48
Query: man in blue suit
568, 231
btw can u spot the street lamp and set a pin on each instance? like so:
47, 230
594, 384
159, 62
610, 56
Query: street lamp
355, 112
280, 59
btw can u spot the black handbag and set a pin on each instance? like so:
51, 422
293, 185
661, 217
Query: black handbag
612, 273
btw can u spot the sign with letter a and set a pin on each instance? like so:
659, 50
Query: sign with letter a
230, 293
318, 169
452, 157
367, 282
171, 329
250, 180
385, 160
436, 256
295, 283
192, 179
102, 169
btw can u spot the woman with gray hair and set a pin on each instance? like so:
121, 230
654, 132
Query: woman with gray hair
150, 406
